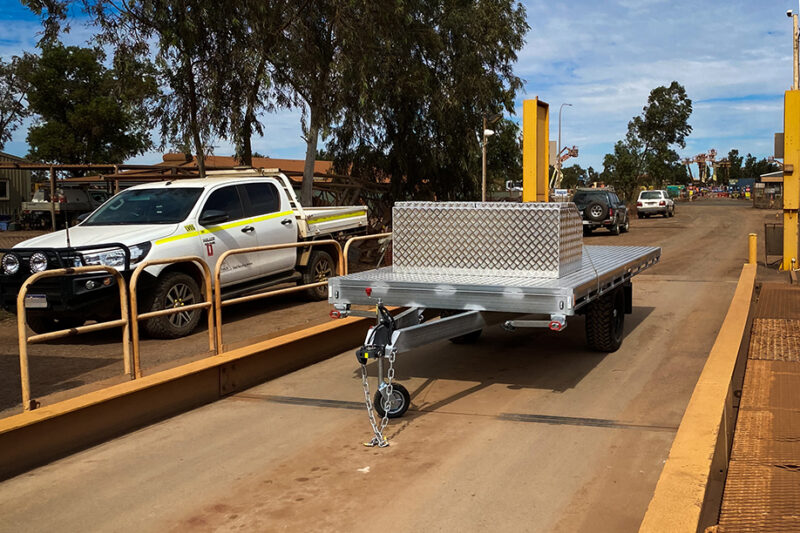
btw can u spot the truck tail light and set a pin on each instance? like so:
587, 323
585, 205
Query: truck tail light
662, 202
638, 204
611, 211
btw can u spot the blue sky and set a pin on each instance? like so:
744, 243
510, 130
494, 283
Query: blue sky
733, 57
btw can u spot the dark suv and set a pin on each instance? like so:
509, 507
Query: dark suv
601, 208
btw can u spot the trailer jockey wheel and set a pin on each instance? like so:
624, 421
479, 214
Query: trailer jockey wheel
398, 402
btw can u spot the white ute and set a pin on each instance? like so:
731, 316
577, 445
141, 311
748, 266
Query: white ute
185, 217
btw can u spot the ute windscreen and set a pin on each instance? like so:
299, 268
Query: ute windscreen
146, 206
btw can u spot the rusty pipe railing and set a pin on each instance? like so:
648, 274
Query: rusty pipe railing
136, 317
359, 238
218, 272
27, 403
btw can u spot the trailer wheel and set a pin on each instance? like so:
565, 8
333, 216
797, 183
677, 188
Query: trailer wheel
605, 320
398, 402
320, 267
173, 289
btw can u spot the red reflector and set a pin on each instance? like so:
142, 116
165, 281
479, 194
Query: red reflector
556, 326
368, 290
335, 314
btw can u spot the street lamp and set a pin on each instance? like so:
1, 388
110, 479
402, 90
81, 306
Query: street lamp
487, 121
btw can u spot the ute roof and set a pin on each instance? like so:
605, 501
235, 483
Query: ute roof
197, 182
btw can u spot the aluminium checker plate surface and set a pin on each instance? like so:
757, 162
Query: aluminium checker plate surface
602, 268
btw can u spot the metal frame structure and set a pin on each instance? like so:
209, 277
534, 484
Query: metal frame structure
207, 304
27, 403
219, 304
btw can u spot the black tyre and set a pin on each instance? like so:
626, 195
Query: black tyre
615, 229
398, 403
320, 267
173, 289
45, 324
467, 338
587, 230
605, 321
596, 211
625, 225
640, 215
672, 212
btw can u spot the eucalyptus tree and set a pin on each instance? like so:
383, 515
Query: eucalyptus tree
13, 90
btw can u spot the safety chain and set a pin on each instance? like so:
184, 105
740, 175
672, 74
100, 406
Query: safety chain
379, 439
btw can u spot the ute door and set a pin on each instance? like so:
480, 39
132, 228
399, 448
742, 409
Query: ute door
216, 238
274, 223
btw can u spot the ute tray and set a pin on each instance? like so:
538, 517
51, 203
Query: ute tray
603, 268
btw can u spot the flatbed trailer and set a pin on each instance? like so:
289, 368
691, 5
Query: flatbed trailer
474, 264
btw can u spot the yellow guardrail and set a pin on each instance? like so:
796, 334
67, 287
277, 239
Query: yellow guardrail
357, 239
136, 317
219, 304
24, 340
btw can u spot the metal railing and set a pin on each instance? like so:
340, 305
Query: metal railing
136, 317
356, 239
27, 403
219, 304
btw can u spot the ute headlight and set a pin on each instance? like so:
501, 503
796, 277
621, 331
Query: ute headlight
10, 264
116, 258
38, 262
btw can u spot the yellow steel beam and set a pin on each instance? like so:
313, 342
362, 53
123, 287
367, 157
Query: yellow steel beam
535, 148
36, 437
791, 176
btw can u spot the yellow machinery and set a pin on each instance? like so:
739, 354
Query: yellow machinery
535, 147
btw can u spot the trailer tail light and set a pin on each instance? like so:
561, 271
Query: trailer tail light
662, 202
638, 204
368, 290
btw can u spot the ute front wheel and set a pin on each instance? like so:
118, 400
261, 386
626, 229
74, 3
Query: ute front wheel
173, 290
320, 267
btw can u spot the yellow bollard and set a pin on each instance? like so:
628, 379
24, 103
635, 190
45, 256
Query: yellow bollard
753, 241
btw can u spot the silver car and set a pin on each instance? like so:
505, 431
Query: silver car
654, 203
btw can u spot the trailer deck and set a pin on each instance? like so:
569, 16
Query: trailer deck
603, 268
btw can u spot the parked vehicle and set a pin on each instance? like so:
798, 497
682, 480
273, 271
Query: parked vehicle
69, 202
601, 208
654, 203
198, 217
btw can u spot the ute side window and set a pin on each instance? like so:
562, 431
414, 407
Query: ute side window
264, 198
226, 200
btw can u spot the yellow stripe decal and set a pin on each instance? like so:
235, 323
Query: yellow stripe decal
337, 217
214, 229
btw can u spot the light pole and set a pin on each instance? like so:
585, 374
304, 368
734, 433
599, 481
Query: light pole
487, 121
558, 155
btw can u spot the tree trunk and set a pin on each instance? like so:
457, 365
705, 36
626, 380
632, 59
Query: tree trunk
198, 140
246, 148
311, 156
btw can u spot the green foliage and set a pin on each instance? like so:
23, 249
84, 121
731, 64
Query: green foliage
87, 113
503, 155
12, 98
433, 70
646, 156
574, 176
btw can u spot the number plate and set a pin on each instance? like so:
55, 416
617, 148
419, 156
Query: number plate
36, 301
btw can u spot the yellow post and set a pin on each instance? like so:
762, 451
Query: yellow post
791, 176
535, 147
753, 243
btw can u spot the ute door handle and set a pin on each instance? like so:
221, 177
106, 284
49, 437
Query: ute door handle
286, 221
248, 229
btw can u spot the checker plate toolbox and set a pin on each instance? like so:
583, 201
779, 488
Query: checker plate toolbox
460, 267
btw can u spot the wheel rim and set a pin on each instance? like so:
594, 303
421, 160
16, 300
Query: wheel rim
179, 295
395, 402
596, 211
322, 270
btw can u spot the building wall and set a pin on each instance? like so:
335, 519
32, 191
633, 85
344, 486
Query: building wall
18, 186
